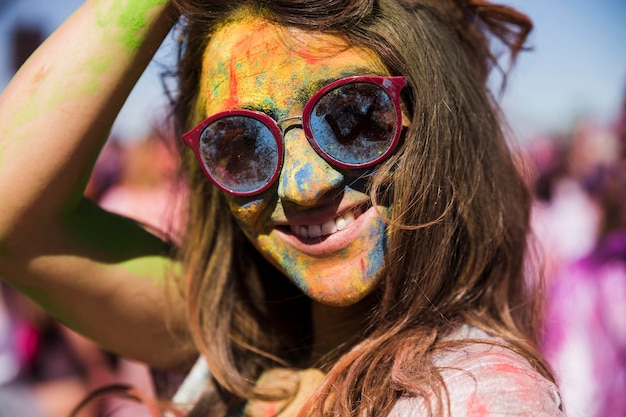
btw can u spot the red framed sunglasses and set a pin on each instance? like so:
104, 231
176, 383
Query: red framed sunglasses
354, 122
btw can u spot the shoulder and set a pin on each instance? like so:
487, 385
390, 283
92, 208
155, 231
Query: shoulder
485, 379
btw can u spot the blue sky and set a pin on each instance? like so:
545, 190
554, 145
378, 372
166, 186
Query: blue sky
577, 67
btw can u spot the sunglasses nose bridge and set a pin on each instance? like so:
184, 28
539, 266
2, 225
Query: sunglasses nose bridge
305, 176
289, 123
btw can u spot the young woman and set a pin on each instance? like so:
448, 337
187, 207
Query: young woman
356, 225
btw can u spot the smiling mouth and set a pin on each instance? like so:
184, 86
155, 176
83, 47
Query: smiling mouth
328, 228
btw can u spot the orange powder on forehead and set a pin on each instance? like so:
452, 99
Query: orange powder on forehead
237, 55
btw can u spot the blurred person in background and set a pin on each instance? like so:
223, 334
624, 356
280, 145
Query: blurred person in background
45, 368
565, 217
16, 396
147, 187
585, 338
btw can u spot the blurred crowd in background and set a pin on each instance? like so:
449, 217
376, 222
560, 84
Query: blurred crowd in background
578, 179
579, 235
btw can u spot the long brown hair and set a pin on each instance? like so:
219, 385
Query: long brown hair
457, 232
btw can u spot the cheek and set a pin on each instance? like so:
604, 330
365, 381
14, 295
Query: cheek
291, 262
376, 240
248, 214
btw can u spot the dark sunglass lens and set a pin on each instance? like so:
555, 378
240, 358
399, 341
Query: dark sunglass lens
239, 152
354, 123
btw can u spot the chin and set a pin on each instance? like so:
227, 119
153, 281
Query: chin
338, 287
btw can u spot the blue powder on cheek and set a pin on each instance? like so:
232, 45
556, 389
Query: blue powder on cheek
372, 264
376, 259
377, 255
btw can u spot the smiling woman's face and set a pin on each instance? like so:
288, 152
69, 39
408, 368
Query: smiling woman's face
315, 223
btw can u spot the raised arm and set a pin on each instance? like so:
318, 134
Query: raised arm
100, 274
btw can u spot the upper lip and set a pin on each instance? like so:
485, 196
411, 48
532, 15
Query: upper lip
315, 215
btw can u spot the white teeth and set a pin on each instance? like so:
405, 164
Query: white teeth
328, 228
315, 230
345, 220
302, 231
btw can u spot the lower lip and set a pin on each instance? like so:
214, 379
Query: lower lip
335, 242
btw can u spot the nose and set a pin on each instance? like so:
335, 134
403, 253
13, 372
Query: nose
305, 176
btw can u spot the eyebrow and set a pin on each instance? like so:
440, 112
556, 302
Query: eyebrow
317, 85
269, 109
304, 94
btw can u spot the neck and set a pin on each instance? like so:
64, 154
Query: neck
333, 326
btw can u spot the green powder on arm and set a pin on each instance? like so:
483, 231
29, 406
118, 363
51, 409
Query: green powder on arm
128, 20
